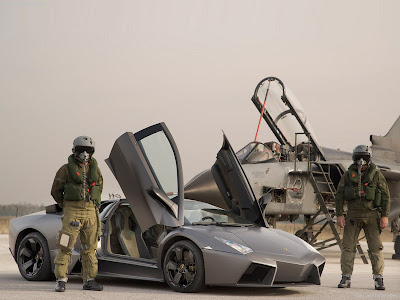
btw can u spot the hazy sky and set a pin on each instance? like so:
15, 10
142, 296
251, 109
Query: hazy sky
101, 68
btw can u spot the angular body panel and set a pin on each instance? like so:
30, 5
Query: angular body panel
145, 164
234, 185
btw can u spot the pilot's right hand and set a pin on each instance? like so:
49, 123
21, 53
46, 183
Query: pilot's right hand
340, 221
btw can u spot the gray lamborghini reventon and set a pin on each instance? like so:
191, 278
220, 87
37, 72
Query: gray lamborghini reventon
156, 234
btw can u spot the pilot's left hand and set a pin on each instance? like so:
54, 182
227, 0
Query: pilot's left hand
384, 222
340, 221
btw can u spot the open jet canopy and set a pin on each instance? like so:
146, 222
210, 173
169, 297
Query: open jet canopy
284, 114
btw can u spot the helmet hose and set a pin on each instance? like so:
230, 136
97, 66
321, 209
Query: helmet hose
360, 163
84, 156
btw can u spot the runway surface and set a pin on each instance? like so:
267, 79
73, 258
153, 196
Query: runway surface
13, 286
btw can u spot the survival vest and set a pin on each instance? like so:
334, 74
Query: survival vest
369, 182
73, 187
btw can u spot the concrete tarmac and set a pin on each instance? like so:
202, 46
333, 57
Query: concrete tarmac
13, 286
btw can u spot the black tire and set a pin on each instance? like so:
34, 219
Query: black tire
184, 267
397, 245
33, 258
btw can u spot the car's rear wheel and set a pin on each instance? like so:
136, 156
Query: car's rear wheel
184, 267
33, 257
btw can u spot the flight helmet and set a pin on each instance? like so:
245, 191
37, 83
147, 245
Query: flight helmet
362, 152
273, 146
83, 146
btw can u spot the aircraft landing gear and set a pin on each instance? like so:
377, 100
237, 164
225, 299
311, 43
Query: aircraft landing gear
396, 238
396, 254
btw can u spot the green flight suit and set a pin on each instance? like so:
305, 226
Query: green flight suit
80, 218
362, 214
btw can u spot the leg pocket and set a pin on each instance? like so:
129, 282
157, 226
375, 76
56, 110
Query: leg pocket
350, 235
89, 234
66, 240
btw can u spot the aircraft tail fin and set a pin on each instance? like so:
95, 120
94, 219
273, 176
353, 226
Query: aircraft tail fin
388, 147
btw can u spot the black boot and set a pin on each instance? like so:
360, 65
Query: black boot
92, 285
379, 283
345, 282
60, 286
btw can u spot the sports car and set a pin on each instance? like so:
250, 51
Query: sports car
156, 234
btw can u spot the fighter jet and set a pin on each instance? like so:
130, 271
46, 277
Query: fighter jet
295, 176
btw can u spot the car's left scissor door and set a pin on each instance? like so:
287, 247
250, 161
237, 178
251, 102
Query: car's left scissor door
148, 168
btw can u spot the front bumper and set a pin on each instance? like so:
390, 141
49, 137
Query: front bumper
258, 270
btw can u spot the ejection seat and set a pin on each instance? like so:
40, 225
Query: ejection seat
130, 234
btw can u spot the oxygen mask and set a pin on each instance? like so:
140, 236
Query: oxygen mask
83, 156
362, 161
83, 153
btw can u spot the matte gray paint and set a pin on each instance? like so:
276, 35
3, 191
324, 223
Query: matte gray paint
225, 265
234, 185
132, 172
46, 224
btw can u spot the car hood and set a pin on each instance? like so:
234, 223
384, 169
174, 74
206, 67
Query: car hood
275, 243
272, 241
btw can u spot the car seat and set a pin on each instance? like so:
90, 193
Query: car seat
130, 234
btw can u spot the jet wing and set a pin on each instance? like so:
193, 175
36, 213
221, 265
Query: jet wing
390, 174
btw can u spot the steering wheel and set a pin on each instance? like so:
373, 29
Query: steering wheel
208, 218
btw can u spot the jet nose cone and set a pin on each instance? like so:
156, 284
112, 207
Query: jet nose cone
203, 188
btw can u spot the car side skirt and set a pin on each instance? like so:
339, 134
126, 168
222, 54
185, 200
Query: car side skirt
124, 268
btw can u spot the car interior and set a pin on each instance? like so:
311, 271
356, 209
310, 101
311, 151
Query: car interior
126, 238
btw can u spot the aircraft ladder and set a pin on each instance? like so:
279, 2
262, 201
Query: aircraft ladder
325, 190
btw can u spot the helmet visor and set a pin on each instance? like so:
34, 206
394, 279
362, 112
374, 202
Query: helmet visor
80, 149
358, 156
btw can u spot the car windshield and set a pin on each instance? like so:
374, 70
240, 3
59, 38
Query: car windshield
200, 213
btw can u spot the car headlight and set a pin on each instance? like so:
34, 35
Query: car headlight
238, 247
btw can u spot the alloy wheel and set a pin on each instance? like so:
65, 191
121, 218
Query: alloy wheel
181, 266
31, 256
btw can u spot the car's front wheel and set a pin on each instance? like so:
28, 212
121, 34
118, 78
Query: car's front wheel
184, 267
33, 257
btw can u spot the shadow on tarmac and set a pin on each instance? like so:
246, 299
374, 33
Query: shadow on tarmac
248, 291
15, 282
212, 290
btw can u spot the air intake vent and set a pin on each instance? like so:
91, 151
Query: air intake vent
258, 274
321, 268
